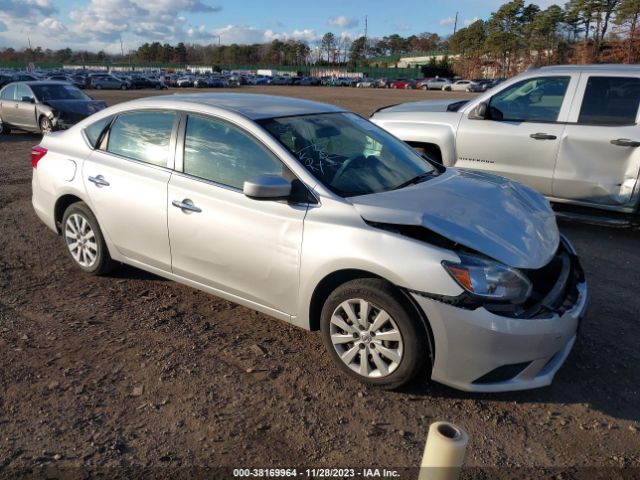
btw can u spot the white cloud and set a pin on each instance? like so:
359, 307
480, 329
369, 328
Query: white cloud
449, 21
52, 25
468, 21
343, 22
245, 34
3, 26
401, 27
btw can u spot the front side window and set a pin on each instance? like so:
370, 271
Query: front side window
220, 152
532, 100
610, 101
143, 136
23, 91
348, 154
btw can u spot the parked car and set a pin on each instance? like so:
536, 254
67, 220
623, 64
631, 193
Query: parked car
437, 83
108, 82
462, 86
145, 82
44, 106
404, 83
405, 266
281, 80
367, 83
570, 132
184, 82
5, 79
310, 81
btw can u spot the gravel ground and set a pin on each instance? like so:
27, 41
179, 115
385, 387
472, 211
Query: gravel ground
132, 375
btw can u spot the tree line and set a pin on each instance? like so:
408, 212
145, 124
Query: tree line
512, 38
519, 35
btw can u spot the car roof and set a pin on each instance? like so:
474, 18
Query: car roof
30, 83
249, 105
590, 68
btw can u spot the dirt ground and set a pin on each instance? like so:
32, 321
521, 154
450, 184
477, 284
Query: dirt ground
134, 376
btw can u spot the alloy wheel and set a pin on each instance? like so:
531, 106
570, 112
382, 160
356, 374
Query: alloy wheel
366, 338
81, 240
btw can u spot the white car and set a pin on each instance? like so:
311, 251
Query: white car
316, 216
570, 132
462, 86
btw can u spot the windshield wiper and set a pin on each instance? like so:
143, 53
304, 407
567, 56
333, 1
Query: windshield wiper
417, 179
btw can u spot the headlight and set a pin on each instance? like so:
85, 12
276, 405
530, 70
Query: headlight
488, 279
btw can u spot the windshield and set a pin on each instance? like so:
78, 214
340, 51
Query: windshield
51, 91
349, 155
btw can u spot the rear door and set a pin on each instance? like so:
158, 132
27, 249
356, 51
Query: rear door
126, 180
26, 109
521, 137
599, 158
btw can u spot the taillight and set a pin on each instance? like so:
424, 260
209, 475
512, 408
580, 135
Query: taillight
37, 153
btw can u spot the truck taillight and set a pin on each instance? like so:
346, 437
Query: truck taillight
37, 153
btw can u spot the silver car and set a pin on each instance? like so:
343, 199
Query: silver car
316, 216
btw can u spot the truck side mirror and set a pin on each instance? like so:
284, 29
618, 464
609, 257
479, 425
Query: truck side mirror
480, 112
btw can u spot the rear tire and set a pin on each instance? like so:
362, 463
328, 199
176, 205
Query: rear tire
4, 130
84, 241
374, 334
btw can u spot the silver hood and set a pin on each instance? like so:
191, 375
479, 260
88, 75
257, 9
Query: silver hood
422, 106
502, 219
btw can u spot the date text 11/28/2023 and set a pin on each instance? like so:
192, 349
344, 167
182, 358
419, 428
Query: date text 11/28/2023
315, 473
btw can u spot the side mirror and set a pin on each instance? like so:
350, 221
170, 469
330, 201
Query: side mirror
480, 112
28, 99
267, 187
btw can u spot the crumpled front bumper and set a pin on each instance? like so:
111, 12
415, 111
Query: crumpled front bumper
479, 351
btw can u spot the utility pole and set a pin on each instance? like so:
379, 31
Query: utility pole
366, 25
455, 24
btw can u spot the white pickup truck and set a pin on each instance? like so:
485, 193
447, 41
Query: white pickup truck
570, 132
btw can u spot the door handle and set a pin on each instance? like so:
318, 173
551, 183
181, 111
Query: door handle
99, 181
542, 136
625, 142
186, 206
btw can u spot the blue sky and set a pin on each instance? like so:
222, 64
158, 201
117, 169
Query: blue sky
100, 24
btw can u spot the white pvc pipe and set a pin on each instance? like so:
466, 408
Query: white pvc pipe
444, 452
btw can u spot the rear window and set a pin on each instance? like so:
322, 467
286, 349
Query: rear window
94, 131
610, 101
142, 136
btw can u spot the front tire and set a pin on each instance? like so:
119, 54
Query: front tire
4, 130
84, 241
373, 333
46, 126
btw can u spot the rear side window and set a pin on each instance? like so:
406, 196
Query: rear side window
94, 131
532, 100
143, 136
9, 92
610, 101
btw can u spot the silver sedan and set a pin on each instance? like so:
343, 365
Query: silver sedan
316, 216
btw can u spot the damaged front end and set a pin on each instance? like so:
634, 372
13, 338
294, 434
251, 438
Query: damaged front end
548, 290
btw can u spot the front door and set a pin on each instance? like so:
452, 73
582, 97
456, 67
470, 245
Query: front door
522, 134
223, 239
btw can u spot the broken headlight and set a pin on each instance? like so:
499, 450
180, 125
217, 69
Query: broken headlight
488, 279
